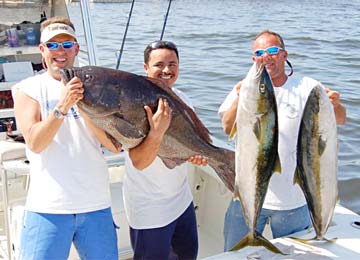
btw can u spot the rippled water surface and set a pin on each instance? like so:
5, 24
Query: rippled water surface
214, 38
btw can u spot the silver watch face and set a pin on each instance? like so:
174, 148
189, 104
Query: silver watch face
58, 114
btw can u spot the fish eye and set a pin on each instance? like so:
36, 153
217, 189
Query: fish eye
87, 77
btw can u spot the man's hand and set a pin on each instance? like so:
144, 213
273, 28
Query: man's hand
334, 97
160, 121
340, 110
71, 93
198, 160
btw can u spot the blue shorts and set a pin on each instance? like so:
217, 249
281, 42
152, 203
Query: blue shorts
49, 236
282, 222
177, 240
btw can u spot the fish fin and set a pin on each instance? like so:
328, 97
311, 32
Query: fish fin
332, 240
314, 239
233, 132
171, 163
277, 165
126, 128
223, 162
321, 146
305, 241
259, 240
257, 128
256, 240
113, 140
243, 243
297, 177
236, 195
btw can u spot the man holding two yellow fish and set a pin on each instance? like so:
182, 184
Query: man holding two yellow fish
284, 204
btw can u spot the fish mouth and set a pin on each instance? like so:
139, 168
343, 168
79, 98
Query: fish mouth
259, 69
67, 74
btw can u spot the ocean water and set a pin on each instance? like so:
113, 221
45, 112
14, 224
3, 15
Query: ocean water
214, 38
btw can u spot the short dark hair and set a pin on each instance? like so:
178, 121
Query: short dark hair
159, 45
280, 39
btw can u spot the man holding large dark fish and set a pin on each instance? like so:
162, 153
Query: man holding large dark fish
160, 132
158, 200
68, 200
284, 203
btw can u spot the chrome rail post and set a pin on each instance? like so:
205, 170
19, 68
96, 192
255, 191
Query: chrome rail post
4, 184
89, 37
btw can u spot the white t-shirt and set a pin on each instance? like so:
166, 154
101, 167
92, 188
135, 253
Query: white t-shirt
70, 175
156, 195
291, 98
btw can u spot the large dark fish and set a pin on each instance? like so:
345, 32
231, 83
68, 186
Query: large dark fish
317, 159
115, 101
256, 150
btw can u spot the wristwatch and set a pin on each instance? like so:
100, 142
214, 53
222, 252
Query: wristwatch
58, 114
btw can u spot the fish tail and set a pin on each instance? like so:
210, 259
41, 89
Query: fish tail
262, 241
314, 239
223, 162
256, 240
246, 241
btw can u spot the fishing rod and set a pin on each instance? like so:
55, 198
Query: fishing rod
165, 20
124, 38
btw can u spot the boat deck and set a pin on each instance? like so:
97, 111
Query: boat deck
346, 246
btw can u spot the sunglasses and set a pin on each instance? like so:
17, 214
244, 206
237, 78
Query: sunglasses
273, 50
162, 44
67, 45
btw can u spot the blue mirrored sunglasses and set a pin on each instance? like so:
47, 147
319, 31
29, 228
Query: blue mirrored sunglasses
55, 45
273, 50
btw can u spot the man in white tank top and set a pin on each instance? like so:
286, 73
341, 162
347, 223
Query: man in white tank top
284, 203
69, 195
158, 200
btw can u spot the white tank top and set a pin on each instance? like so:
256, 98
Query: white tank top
291, 99
70, 175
